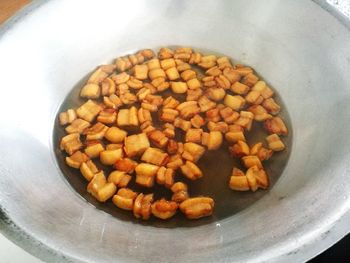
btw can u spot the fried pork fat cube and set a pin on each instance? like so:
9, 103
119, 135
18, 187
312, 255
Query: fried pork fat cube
88, 169
180, 192
124, 198
164, 209
155, 156
165, 176
191, 171
100, 188
274, 142
127, 117
67, 117
197, 207
136, 144
212, 140
142, 206
119, 178
71, 143
76, 159
145, 174
88, 111
253, 179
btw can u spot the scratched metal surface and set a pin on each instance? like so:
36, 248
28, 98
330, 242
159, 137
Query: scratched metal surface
305, 57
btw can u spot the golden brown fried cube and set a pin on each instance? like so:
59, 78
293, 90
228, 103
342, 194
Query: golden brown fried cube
194, 135
100, 189
77, 126
90, 91
119, 178
218, 126
155, 156
239, 88
144, 115
124, 198
113, 101
145, 174
172, 73
175, 161
254, 97
165, 53
109, 157
239, 149
228, 115
224, 62
191, 171
165, 176
250, 79
260, 114
216, 94
197, 207
153, 64
167, 63
127, 117
234, 102
108, 87
125, 165
213, 140
88, 169
206, 104
158, 138
188, 74
94, 148
170, 102
231, 74
239, 183
134, 83
274, 142
197, 121
107, 116
88, 111
276, 125
156, 73
164, 209
96, 132
180, 192
120, 78
234, 136
271, 106
178, 87
71, 143
142, 206
194, 94
115, 135
194, 84
214, 71
245, 120
76, 159
67, 117
192, 151
222, 82
141, 72
169, 115
252, 160
136, 144
188, 109
265, 91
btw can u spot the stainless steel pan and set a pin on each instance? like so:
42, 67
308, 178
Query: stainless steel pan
297, 46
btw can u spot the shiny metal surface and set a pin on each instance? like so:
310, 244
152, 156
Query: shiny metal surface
298, 47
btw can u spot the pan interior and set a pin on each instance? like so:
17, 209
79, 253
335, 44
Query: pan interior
215, 165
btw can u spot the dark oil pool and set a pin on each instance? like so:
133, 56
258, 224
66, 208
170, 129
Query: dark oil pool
215, 165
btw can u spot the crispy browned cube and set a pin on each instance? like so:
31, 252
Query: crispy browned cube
180, 192
108, 87
188, 109
125, 165
252, 160
99, 75
179, 87
194, 94
239, 88
194, 135
254, 97
113, 101
153, 64
207, 61
143, 206
109, 157
167, 63
188, 74
169, 115
175, 161
194, 84
136, 144
172, 73
222, 82
71, 143
260, 151
209, 82
165, 176
260, 113
94, 148
276, 125
145, 174
88, 111
100, 189
212, 140
250, 79
77, 126
271, 106
107, 116
144, 115
127, 117
192, 151
95, 132
265, 91
197, 121
245, 120
115, 135
170, 102
158, 138
239, 149
169, 130
88, 169
214, 71
165, 53
172, 147
156, 73
119, 178
218, 126
234, 102
231, 75
216, 94
67, 117
90, 91
124, 198
234, 136
206, 104
155, 156
238, 180
274, 142
76, 159
141, 72
197, 207
224, 62
229, 115
164, 209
